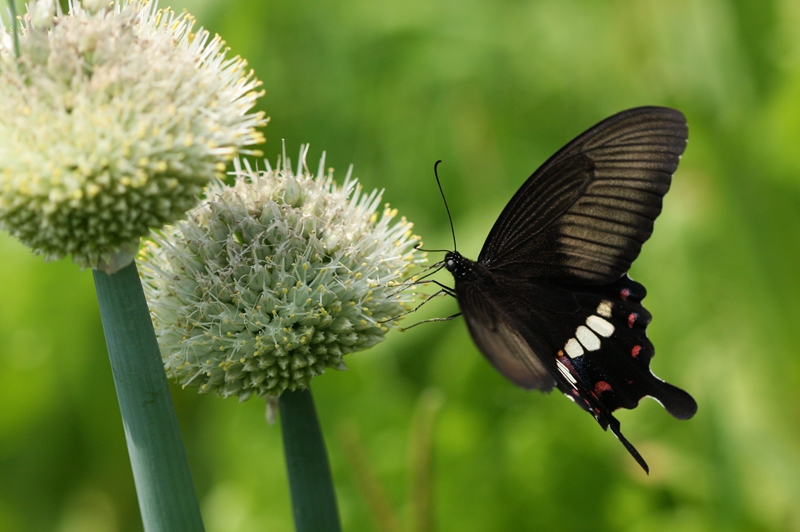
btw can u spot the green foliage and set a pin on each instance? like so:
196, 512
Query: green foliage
492, 88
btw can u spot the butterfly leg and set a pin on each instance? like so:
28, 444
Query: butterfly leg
437, 294
448, 318
444, 288
433, 268
421, 279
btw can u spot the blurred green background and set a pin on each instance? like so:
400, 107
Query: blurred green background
492, 88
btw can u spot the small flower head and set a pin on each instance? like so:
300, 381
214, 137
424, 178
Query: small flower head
274, 279
112, 120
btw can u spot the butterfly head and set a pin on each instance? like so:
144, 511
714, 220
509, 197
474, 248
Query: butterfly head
456, 264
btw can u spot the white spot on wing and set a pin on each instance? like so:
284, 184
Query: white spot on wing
573, 348
565, 372
600, 326
589, 340
604, 308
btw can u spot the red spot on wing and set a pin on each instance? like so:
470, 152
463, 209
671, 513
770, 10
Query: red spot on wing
601, 386
625, 293
631, 319
636, 350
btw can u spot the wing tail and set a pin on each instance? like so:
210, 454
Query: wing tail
678, 403
613, 424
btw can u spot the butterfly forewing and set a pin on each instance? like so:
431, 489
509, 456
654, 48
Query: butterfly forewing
584, 215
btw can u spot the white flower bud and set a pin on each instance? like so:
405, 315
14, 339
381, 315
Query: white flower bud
249, 297
93, 6
7, 55
42, 13
106, 126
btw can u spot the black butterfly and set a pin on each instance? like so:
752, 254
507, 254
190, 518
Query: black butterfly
549, 301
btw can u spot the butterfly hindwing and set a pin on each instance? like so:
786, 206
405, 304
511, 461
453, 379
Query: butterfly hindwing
592, 340
608, 349
599, 334
584, 214
500, 342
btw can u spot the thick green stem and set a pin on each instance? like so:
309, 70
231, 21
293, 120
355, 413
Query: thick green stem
167, 498
12, 7
310, 482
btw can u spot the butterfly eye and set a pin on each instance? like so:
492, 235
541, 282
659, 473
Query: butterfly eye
450, 265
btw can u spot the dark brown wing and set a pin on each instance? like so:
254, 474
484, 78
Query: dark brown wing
500, 342
583, 216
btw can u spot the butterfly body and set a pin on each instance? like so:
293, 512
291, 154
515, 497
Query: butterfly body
549, 302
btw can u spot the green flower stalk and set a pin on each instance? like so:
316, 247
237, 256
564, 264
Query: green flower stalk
274, 279
113, 119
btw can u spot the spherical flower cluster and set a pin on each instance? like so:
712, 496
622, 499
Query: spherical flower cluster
272, 280
112, 121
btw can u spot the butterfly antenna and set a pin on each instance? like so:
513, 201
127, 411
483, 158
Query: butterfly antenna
449, 217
